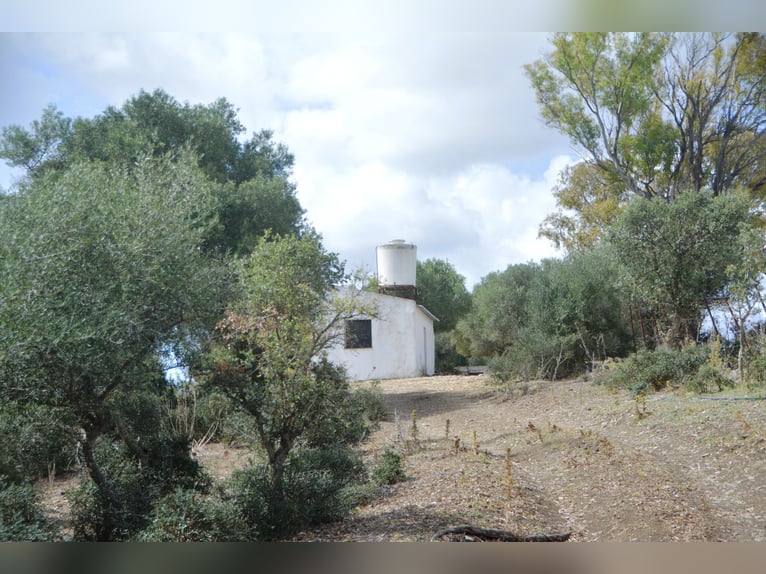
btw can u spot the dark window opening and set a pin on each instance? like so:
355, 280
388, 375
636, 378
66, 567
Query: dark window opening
359, 334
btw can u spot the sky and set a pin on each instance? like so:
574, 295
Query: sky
414, 122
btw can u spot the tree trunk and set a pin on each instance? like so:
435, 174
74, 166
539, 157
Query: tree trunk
104, 531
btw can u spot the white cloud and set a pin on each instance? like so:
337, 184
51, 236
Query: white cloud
433, 137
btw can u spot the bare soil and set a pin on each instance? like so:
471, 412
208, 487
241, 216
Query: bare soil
583, 459
558, 457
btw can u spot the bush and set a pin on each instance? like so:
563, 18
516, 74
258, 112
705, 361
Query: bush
648, 371
369, 400
319, 486
21, 518
389, 470
134, 487
755, 370
33, 441
186, 516
96, 517
708, 379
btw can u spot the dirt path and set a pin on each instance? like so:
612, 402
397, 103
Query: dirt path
582, 459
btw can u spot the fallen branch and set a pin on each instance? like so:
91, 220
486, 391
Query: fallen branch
474, 534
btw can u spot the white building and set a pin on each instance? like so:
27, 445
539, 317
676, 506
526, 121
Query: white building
397, 342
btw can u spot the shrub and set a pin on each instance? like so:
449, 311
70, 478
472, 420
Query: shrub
648, 371
389, 470
319, 486
121, 515
134, 487
186, 516
370, 401
21, 518
755, 370
33, 441
708, 379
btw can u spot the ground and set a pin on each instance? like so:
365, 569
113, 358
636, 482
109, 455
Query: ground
598, 463
558, 457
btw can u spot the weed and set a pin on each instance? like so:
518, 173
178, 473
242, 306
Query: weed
532, 428
640, 404
414, 433
389, 470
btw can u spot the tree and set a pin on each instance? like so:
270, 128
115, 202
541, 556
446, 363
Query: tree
589, 201
499, 311
657, 114
441, 289
254, 194
675, 255
269, 358
102, 273
39, 148
547, 319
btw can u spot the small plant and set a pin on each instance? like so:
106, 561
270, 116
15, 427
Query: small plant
389, 470
640, 403
370, 401
414, 433
533, 429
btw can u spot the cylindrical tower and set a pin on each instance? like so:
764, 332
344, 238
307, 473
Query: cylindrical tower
397, 268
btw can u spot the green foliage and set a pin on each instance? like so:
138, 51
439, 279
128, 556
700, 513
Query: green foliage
34, 441
98, 270
675, 256
124, 507
251, 209
648, 371
369, 399
499, 310
187, 516
122, 511
390, 469
319, 486
269, 357
550, 320
597, 89
38, 148
251, 177
21, 516
708, 379
589, 201
441, 289
655, 115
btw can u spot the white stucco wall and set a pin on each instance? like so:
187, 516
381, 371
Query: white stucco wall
402, 342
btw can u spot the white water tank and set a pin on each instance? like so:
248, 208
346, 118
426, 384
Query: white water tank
397, 263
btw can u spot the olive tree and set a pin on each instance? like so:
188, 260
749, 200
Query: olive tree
269, 354
676, 256
102, 273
